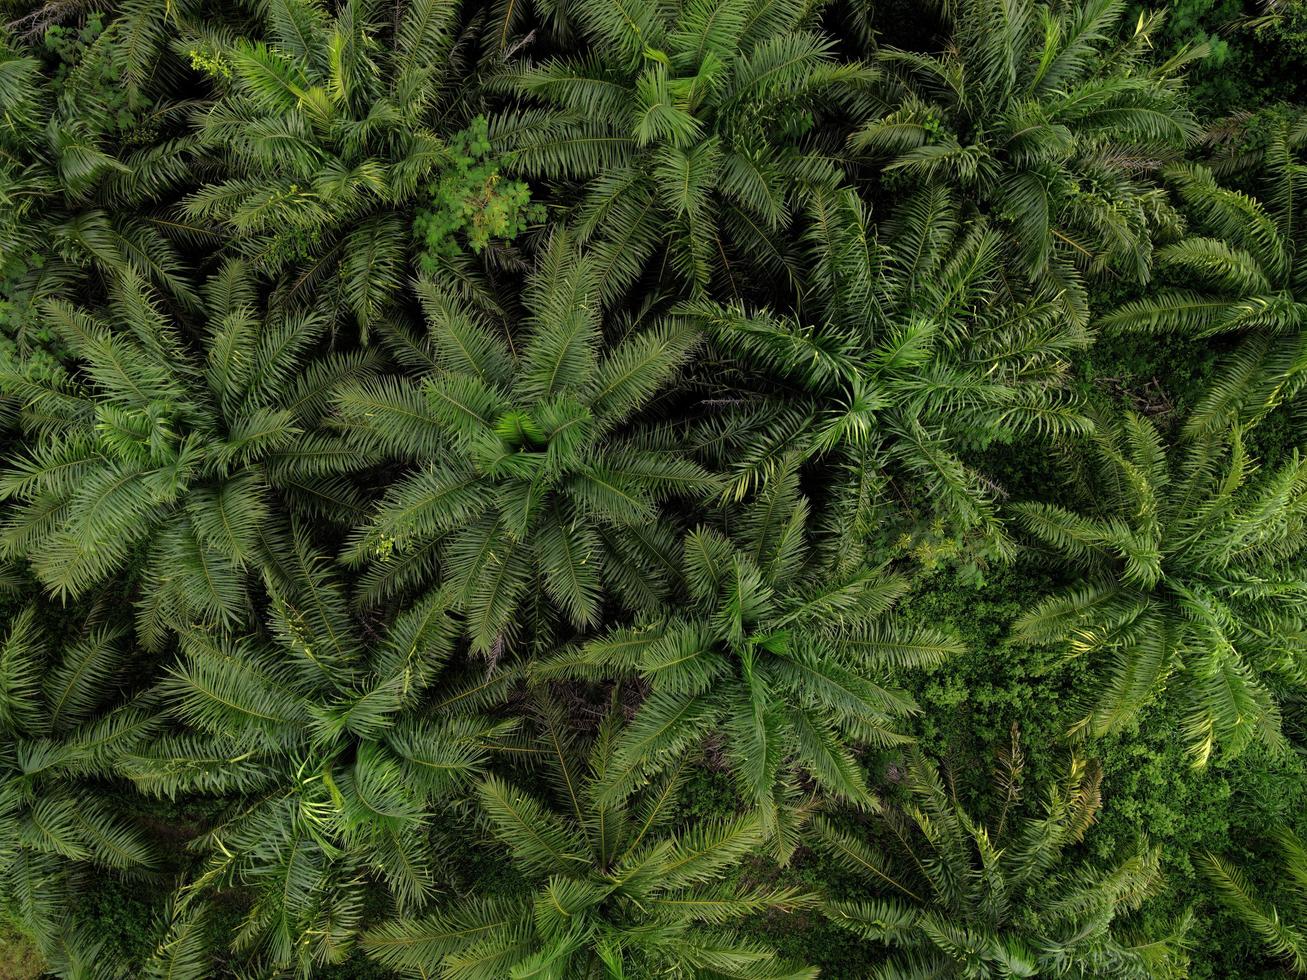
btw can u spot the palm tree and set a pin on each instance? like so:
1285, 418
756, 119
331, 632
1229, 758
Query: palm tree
136, 38
1245, 279
335, 740
1047, 126
911, 348
618, 888
78, 191
785, 658
173, 449
1282, 928
959, 897
1188, 578
688, 127
61, 816
327, 137
530, 486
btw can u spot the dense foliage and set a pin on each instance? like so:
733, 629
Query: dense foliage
563, 489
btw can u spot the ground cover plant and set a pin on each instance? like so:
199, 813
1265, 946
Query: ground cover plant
625, 489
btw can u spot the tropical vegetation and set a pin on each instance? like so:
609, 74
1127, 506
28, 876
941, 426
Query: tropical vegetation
502, 489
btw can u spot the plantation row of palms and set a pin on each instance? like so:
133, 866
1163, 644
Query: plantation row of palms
437, 432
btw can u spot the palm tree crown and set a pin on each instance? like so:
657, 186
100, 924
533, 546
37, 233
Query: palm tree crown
788, 662
687, 124
1005, 899
918, 349
1191, 570
60, 815
327, 136
152, 446
1245, 277
528, 477
339, 738
76, 194
620, 890
1045, 124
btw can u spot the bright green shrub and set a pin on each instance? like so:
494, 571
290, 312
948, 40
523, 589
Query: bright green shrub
473, 200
